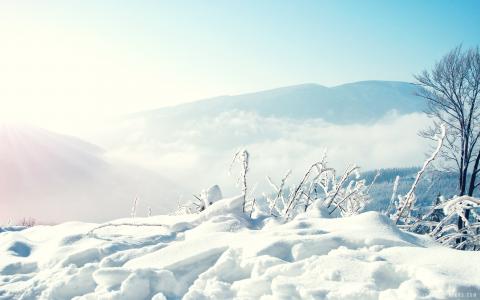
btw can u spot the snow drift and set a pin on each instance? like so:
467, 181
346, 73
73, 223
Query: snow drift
222, 254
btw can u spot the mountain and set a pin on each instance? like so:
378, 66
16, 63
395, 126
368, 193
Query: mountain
53, 177
193, 144
357, 102
371, 123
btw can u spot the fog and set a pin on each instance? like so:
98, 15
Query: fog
197, 154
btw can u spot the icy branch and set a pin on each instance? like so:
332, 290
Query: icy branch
90, 233
409, 199
242, 157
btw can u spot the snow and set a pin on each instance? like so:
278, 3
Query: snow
222, 254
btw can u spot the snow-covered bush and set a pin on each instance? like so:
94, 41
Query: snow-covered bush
28, 222
441, 222
200, 202
427, 219
280, 199
346, 195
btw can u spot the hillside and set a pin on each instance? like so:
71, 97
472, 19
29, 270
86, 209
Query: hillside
44, 173
358, 102
371, 123
285, 128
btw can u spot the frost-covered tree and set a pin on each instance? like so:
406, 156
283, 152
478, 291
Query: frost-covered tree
452, 91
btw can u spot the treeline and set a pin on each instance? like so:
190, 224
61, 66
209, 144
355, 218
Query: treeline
434, 183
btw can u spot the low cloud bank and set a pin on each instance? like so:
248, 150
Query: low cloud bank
55, 178
197, 154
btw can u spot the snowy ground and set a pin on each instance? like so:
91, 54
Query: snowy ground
220, 254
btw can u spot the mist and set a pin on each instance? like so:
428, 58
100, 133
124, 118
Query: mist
197, 154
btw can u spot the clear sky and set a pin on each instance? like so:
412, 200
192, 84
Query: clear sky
64, 64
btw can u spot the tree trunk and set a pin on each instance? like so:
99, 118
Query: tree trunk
471, 189
473, 178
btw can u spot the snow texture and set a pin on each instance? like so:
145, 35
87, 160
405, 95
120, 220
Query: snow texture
222, 254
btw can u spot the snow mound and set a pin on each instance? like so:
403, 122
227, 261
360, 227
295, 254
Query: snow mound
222, 254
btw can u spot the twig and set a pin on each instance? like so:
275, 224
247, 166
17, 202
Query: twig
409, 198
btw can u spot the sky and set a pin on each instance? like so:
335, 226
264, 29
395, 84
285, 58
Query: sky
67, 65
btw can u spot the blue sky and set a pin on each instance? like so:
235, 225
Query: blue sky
100, 58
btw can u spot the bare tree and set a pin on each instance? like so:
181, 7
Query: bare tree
452, 89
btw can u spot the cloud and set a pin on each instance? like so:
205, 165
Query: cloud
198, 153
157, 161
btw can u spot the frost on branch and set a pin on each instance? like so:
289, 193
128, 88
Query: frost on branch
406, 202
133, 212
445, 228
242, 157
393, 198
467, 237
273, 203
201, 202
346, 194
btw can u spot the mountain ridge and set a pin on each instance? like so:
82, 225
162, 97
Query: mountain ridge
356, 102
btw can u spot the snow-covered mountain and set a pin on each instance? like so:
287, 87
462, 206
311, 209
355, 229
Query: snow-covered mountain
53, 177
371, 123
358, 102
